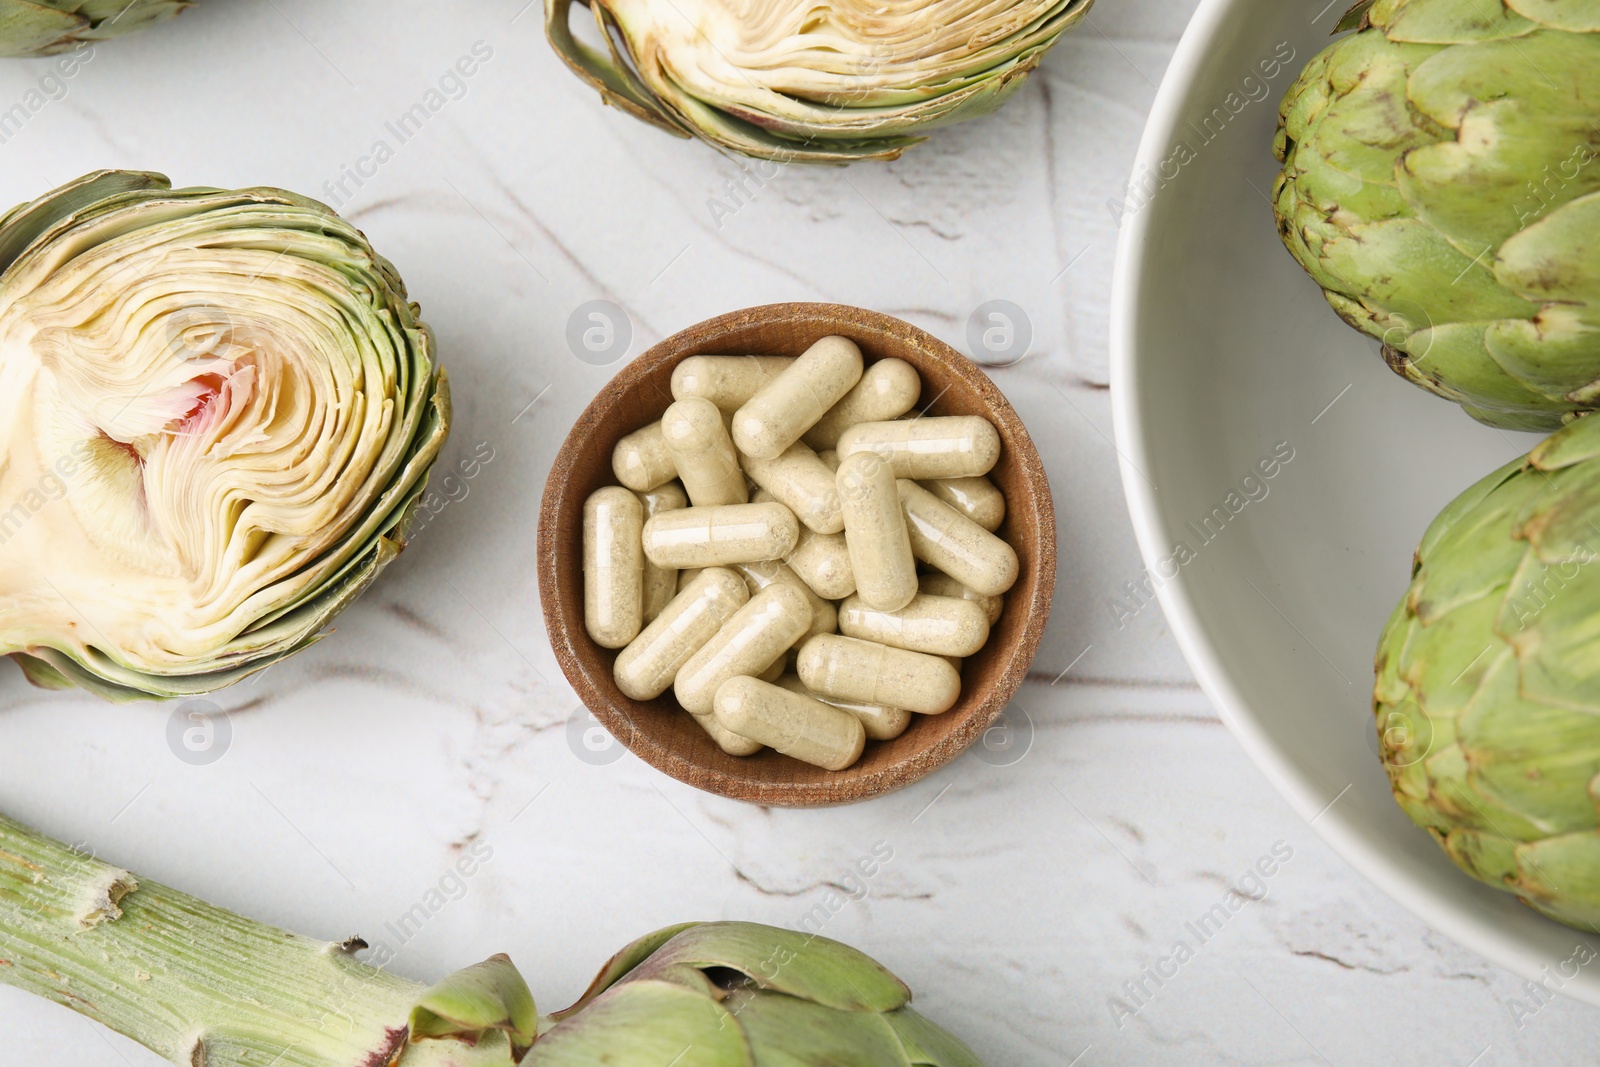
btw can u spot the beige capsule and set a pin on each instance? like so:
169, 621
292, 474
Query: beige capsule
726, 381
791, 403
798, 726
976, 498
881, 723
703, 454
646, 668
821, 560
830, 457
613, 566
937, 625
803, 484
887, 389
685, 576
726, 739
660, 583
950, 446
759, 575
748, 643
875, 533
712, 537
866, 672
641, 460
938, 584
946, 539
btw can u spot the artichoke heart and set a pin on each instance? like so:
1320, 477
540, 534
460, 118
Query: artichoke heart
1488, 679
1441, 183
814, 82
217, 409
45, 27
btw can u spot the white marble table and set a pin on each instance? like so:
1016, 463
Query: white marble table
1021, 896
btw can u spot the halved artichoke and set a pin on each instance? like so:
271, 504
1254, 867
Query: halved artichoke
217, 411
44, 27
825, 82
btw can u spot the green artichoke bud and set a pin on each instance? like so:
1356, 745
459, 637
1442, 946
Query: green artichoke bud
1440, 172
44, 27
217, 410
789, 81
1488, 679
741, 995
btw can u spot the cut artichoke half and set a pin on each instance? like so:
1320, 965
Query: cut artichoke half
45, 27
218, 410
811, 83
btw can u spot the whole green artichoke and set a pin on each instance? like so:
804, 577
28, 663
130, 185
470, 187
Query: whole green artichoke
827, 82
1439, 179
1488, 679
197, 984
217, 411
44, 27
743, 995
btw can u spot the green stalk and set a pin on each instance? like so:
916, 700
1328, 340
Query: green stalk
204, 987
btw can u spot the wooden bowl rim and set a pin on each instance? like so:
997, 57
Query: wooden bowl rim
844, 787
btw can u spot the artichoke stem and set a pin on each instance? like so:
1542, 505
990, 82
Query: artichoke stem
194, 983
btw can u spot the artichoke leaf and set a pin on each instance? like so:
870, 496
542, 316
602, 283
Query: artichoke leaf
926, 1045
1577, 444
1487, 856
792, 1032
622, 963
1449, 21
487, 997
45, 27
1448, 658
646, 1022
1521, 141
787, 961
1529, 759
28, 28
1579, 16
1560, 876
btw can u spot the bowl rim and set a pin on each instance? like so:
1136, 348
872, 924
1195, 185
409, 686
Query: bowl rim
856, 787
1211, 20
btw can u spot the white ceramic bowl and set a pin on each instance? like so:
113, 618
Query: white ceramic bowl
1221, 349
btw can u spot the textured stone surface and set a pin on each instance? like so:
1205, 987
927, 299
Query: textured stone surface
1020, 898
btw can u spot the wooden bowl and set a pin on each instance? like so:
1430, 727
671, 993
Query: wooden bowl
659, 731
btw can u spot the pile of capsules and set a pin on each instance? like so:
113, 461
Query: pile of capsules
718, 592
